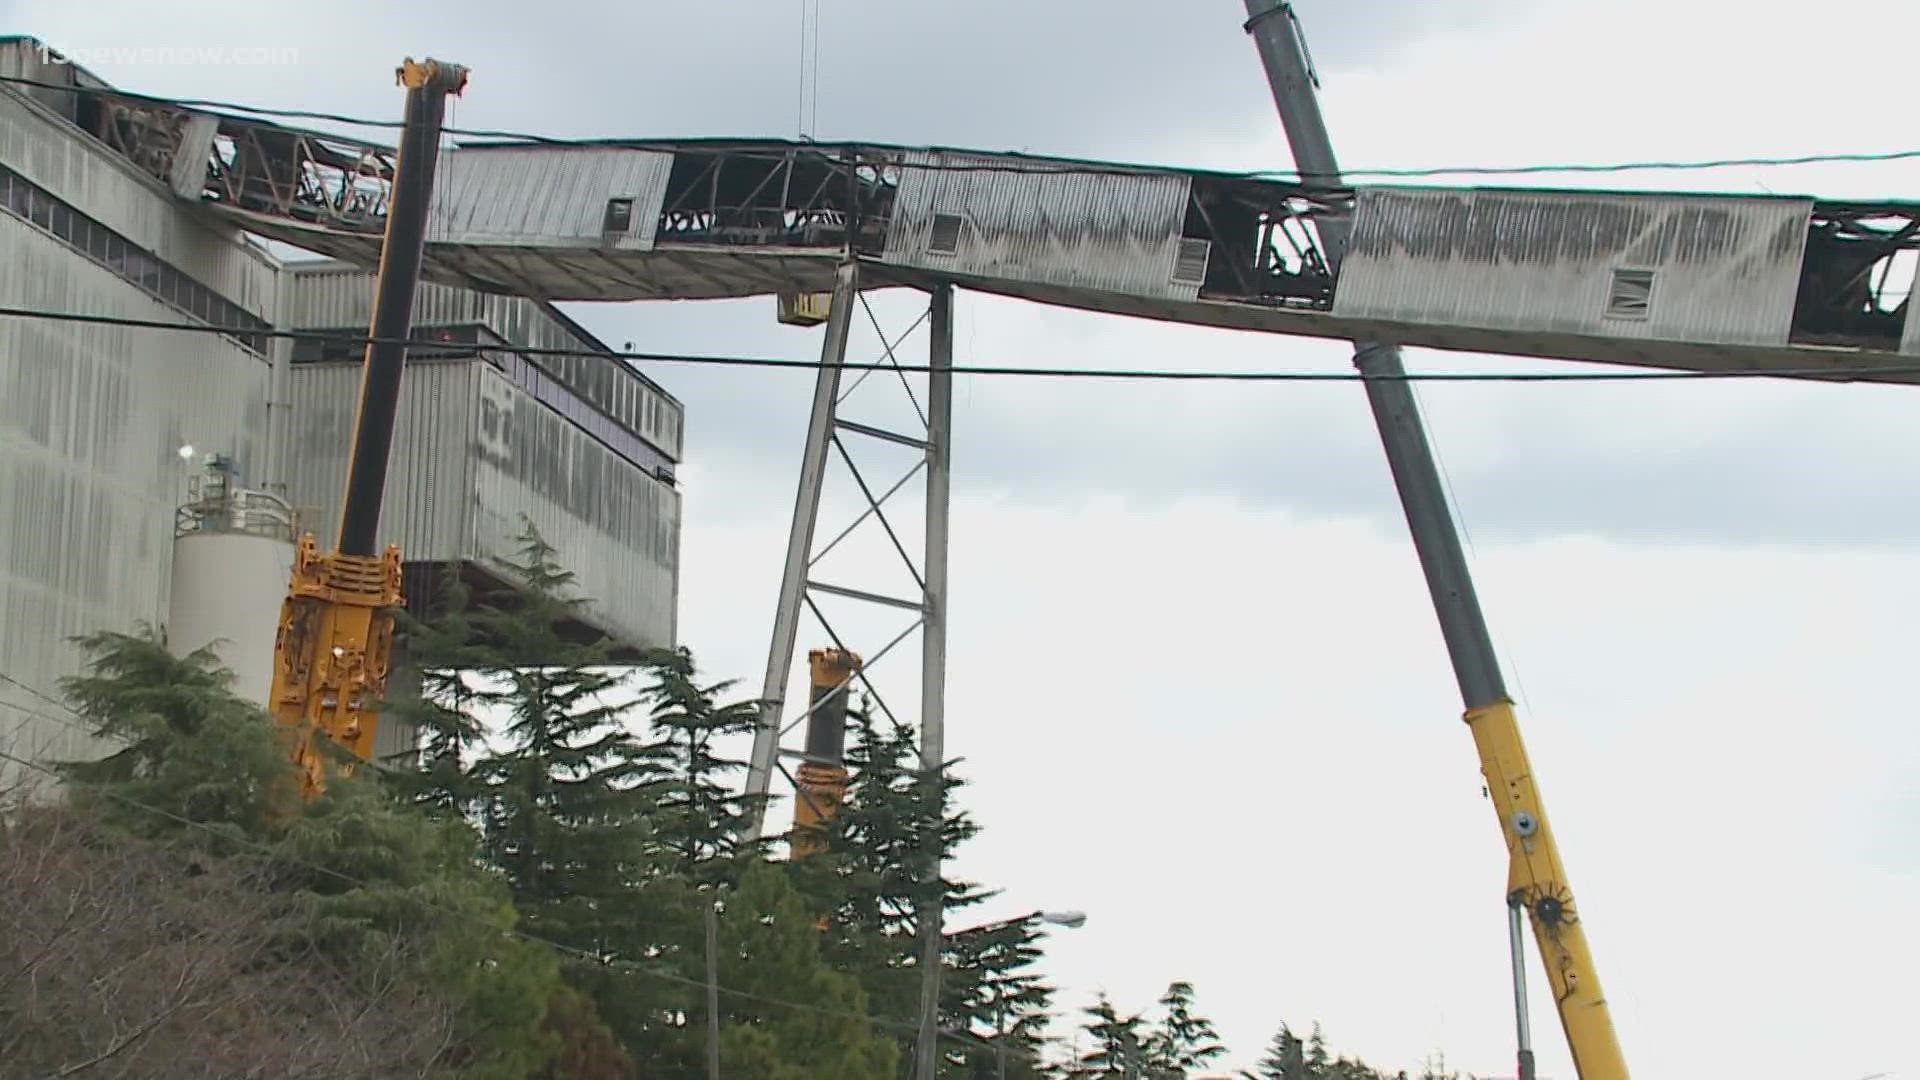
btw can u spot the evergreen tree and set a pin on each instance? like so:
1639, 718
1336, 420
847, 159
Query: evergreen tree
1290, 1057
1286, 1057
788, 1015
562, 813
1184, 1040
876, 873
989, 983
363, 881
1119, 1043
699, 818
1318, 1058
449, 657
529, 738
189, 747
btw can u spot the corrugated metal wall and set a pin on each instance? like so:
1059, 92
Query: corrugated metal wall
91, 419
1116, 232
471, 453
333, 295
547, 196
86, 174
328, 294
616, 528
429, 494
1725, 270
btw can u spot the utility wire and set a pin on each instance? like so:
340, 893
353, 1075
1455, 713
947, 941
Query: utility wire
1082, 168
1838, 371
267, 852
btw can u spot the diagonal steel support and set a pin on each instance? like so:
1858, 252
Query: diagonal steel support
799, 588
879, 514
873, 507
889, 346
806, 515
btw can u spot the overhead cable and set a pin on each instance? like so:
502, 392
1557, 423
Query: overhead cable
1837, 371
1086, 168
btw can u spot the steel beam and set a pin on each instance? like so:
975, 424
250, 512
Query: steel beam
933, 662
806, 514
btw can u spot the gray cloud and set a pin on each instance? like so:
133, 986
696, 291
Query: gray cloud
1102, 77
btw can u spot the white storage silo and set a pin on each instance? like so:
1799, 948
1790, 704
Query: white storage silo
232, 555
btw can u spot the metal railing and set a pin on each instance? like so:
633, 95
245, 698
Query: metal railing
238, 510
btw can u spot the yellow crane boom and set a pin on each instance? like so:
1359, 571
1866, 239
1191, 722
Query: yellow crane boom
336, 626
821, 780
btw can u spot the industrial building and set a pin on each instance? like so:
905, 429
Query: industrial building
102, 427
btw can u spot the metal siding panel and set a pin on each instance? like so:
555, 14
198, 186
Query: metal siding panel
1107, 231
82, 172
331, 296
1725, 269
91, 418
335, 295
616, 528
429, 482
1910, 340
546, 196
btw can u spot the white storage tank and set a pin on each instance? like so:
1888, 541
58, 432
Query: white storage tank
232, 555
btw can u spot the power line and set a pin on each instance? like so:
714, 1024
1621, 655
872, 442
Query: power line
1085, 168
263, 851
1832, 372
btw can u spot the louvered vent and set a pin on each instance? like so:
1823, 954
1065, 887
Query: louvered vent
946, 234
1630, 296
1190, 265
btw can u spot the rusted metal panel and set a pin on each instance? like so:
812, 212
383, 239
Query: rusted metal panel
429, 480
549, 196
980, 215
1704, 269
616, 528
91, 421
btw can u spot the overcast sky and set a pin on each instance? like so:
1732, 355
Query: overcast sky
1194, 676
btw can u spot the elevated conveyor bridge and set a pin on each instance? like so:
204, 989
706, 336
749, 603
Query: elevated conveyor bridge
1694, 282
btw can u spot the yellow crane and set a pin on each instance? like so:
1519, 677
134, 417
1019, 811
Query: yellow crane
1537, 883
821, 781
336, 626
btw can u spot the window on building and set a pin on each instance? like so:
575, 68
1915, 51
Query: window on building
143, 269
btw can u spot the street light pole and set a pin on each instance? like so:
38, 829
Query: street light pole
713, 989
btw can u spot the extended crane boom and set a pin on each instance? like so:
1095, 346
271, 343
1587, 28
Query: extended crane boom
822, 778
1536, 879
336, 625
